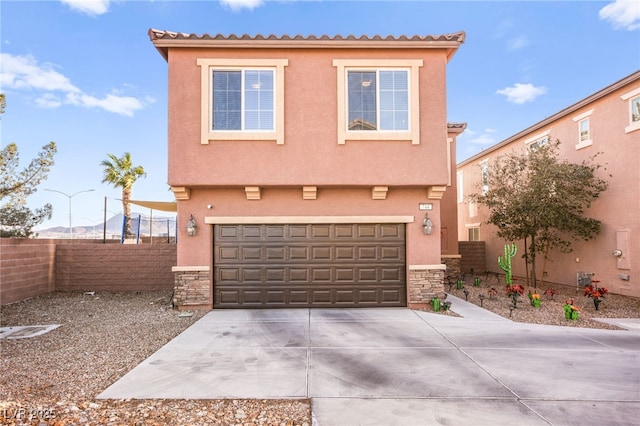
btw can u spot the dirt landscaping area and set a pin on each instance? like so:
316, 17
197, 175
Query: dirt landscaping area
491, 294
54, 378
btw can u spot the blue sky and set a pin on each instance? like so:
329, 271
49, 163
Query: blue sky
85, 75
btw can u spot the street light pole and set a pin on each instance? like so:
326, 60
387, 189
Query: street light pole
70, 197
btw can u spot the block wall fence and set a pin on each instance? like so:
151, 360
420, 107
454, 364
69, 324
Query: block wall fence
32, 267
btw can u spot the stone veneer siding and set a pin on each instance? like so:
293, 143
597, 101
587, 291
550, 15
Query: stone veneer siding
425, 283
453, 263
193, 285
192, 289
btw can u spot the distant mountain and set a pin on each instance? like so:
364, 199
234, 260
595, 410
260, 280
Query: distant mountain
162, 225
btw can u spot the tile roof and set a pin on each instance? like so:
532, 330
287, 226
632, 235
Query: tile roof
165, 39
162, 34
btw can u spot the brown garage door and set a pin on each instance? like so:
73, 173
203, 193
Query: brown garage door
309, 265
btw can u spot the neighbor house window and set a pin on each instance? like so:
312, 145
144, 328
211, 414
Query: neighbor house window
473, 209
633, 98
584, 129
484, 167
378, 100
242, 99
460, 180
473, 233
537, 141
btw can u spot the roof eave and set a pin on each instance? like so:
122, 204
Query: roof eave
163, 40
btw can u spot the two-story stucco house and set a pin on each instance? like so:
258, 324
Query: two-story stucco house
607, 122
313, 168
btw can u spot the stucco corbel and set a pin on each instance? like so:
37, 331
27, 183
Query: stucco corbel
379, 192
436, 192
309, 192
182, 193
252, 192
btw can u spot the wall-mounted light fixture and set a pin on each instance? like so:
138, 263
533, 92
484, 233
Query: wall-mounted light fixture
192, 227
617, 253
427, 225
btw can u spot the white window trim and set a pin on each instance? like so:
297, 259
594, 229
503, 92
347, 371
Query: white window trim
206, 66
627, 97
579, 119
536, 138
413, 134
484, 163
460, 186
470, 226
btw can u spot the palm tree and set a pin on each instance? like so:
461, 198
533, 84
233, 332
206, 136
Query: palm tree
121, 173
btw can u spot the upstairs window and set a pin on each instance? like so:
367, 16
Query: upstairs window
584, 129
242, 99
537, 141
484, 167
378, 99
633, 97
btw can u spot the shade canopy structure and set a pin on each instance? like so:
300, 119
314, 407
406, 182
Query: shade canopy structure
165, 206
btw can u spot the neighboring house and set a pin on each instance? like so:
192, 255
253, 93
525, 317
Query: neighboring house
607, 122
308, 165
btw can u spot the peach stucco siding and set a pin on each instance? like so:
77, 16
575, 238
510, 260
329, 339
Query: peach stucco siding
308, 169
330, 202
617, 208
310, 154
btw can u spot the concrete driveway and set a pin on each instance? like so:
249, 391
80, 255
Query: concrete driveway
401, 367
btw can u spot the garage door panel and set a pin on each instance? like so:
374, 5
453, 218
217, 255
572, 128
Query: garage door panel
320, 297
344, 231
309, 265
321, 253
366, 231
251, 232
249, 253
274, 231
321, 275
228, 275
298, 275
275, 254
229, 253
299, 253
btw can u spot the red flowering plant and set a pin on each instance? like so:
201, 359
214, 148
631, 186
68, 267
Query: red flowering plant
550, 292
596, 293
514, 291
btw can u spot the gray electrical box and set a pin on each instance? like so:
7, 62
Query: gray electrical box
584, 279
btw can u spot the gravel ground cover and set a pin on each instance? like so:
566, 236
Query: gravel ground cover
551, 309
53, 379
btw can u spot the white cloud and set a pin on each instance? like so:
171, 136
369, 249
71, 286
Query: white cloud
517, 43
48, 101
237, 5
483, 140
23, 72
623, 14
521, 92
89, 7
54, 89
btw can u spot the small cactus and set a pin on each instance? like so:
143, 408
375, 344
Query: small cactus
505, 262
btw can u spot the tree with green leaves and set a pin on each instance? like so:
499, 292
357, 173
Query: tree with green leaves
16, 219
121, 173
541, 199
